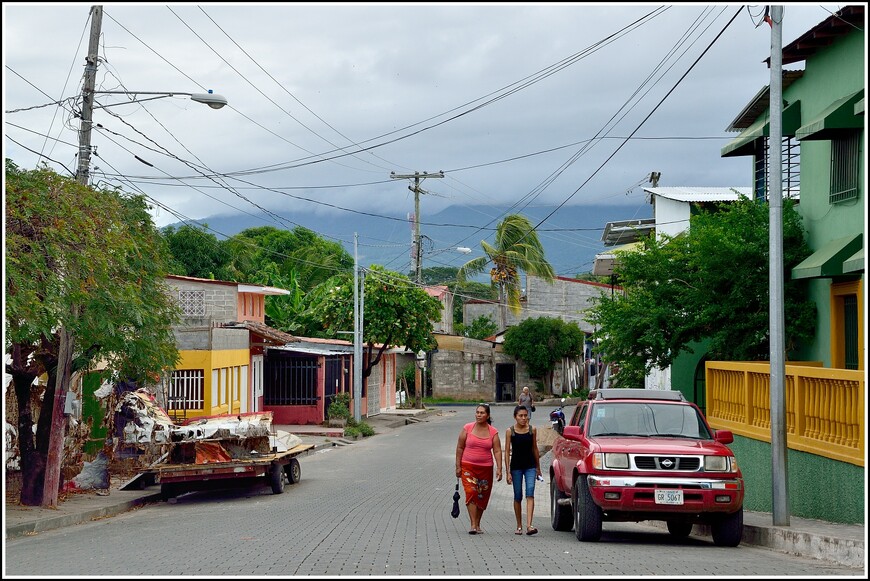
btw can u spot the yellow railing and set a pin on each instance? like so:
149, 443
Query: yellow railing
824, 407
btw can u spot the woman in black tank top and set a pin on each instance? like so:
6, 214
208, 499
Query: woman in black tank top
522, 456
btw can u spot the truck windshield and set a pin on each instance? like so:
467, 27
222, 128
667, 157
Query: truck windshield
645, 419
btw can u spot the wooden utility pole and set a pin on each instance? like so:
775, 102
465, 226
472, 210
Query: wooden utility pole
54, 458
418, 251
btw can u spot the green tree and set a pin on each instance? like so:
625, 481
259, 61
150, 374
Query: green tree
196, 252
480, 328
710, 282
395, 312
517, 249
88, 263
542, 342
312, 258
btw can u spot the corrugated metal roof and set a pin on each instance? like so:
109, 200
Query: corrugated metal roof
700, 193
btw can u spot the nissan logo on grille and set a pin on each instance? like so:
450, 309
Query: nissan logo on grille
667, 463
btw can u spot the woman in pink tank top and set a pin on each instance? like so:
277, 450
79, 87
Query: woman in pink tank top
478, 448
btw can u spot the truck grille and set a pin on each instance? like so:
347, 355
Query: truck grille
684, 463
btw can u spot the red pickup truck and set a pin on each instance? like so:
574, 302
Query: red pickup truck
631, 455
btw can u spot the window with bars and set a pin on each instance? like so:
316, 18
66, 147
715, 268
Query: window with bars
477, 371
844, 167
791, 168
186, 388
192, 303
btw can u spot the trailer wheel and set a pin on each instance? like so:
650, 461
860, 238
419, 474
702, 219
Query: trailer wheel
169, 490
276, 478
294, 471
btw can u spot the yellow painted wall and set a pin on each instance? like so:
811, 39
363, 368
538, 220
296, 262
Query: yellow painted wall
231, 359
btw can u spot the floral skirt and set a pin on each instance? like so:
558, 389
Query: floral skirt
477, 483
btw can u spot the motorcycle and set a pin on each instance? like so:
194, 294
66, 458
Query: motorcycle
557, 417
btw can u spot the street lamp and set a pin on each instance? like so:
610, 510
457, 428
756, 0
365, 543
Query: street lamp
210, 98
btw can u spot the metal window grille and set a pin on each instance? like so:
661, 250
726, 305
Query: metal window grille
186, 390
290, 381
844, 168
791, 168
192, 303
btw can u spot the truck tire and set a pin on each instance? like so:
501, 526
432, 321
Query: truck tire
560, 516
587, 514
276, 478
728, 530
294, 471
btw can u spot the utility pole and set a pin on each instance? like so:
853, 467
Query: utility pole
778, 427
91, 63
54, 457
418, 252
357, 335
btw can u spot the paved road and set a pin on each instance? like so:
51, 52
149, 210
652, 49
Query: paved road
380, 506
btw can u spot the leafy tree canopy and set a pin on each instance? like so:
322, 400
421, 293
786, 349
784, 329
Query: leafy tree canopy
196, 252
480, 328
709, 282
395, 312
542, 342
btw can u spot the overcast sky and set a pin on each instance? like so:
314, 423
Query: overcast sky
519, 104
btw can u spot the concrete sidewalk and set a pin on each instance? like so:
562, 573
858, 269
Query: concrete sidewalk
837, 543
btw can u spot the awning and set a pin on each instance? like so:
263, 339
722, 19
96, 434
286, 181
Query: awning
833, 120
829, 260
605, 261
744, 144
854, 263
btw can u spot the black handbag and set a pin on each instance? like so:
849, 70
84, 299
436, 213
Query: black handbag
533, 407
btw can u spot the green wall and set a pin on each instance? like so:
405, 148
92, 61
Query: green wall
91, 408
818, 487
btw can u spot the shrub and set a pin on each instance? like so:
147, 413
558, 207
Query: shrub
340, 407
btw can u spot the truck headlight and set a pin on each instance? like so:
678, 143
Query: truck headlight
612, 461
715, 463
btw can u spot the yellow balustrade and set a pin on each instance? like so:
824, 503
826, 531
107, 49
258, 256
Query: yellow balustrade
824, 406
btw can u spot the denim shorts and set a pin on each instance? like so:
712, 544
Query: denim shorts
517, 477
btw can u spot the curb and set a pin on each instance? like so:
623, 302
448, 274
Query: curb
846, 552
48, 524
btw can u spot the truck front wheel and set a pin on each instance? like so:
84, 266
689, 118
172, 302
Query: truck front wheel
587, 514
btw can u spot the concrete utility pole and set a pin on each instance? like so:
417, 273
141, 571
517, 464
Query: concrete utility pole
778, 427
54, 458
357, 334
418, 252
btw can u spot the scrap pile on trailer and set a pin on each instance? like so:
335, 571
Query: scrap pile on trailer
207, 452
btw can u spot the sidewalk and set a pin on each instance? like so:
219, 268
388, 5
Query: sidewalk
832, 542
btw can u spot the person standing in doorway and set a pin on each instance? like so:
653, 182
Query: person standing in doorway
478, 448
526, 401
523, 460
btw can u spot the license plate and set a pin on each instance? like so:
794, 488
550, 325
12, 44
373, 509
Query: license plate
669, 497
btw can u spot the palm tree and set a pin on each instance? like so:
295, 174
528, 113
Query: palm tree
517, 249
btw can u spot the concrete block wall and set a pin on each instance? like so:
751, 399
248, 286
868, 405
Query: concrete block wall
566, 298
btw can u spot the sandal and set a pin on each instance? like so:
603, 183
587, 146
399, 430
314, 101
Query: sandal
531, 531
519, 531
472, 532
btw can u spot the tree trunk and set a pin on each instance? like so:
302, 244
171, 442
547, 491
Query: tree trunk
31, 464
57, 422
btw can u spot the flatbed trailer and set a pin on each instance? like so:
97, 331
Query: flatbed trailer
275, 468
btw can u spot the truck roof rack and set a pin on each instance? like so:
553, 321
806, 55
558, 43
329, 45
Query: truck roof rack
633, 393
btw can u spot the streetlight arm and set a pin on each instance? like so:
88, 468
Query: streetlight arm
211, 99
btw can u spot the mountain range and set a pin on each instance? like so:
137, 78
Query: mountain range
570, 235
